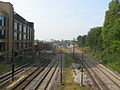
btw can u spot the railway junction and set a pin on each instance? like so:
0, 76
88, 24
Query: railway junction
46, 72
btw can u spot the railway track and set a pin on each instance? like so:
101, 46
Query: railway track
17, 69
27, 80
47, 77
7, 77
104, 78
35, 79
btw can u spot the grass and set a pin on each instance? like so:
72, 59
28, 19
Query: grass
68, 61
26, 59
68, 79
5, 67
115, 65
110, 60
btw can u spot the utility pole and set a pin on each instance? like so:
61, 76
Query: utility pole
67, 47
82, 71
82, 66
73, 48
61, 59
13, 64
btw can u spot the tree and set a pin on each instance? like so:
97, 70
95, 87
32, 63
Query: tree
93, 36
81, 40
111, 29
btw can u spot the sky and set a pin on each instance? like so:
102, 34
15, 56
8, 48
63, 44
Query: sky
61, 19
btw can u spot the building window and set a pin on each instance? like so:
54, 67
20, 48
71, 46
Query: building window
26, 45
20, 36
2, 58
24, 29
22, 45
15, 36
28, 30
2, 34
24, 37
31, 37
17, 45
20, 28
30, 44
2, 46
2, 21
28, 37
15, 26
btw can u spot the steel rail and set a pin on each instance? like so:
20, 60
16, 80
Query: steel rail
98, 82
44, 76
49, 81
28, 79
101, 69
7, 77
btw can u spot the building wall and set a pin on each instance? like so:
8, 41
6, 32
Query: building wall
23, 38
6, 10
13, 43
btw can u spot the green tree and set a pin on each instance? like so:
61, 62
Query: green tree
111, 29
81, 40
93, 36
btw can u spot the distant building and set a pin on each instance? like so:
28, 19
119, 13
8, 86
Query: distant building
39, 46
16, 33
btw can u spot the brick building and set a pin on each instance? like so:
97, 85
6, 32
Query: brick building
16, 33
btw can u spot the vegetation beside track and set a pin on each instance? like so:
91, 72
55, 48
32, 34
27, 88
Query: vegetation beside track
5, 67
104, 41
68, 80
27, 59
111, 60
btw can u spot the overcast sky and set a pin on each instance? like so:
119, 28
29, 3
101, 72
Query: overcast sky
57, 19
